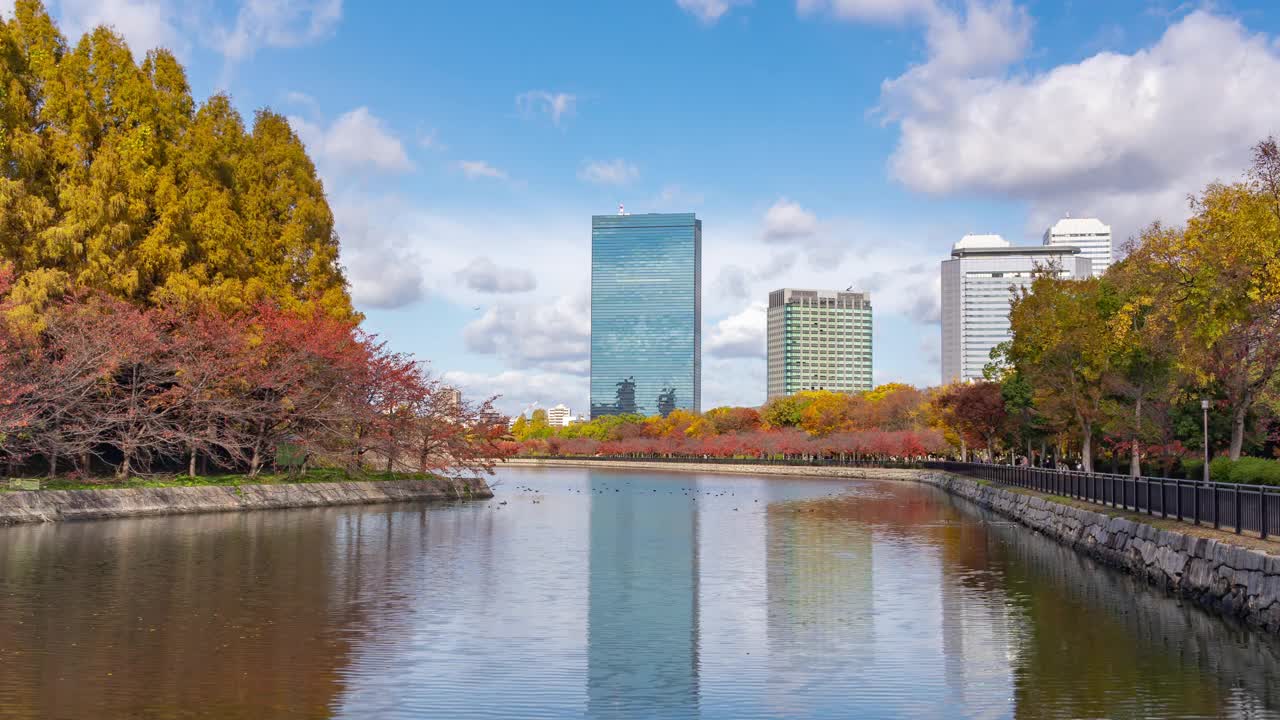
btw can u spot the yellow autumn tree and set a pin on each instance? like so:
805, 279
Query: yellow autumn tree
113, 179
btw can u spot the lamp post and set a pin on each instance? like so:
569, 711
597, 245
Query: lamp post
1204, 407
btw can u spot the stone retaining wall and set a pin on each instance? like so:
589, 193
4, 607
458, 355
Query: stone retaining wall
1225, 578
1228, 579
55, 505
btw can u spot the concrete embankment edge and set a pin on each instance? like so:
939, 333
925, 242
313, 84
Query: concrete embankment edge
55, 505
1226, 579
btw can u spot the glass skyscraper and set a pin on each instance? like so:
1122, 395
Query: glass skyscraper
646, 313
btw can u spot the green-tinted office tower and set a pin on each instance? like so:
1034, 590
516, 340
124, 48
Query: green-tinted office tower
646, 313
818, 340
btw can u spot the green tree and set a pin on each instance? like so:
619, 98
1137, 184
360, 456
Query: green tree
784, 411
1062, 347
1218, 279
520, 429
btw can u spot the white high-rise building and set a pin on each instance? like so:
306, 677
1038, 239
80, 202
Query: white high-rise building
977, 284
559, 416
1091, 235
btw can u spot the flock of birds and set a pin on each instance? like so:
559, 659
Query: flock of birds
691, 492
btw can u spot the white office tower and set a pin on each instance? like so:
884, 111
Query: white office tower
1089, 234
977, 284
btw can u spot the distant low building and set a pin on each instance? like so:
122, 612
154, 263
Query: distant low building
491, 418
559, 416
453, 396
818, 340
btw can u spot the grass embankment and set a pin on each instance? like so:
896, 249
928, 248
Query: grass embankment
317, 475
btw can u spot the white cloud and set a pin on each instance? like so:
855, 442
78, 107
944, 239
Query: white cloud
675, 196
552, 336
866, 10
522, 389
1122, 136
556, 106
739, 335
987, 34
613, 172
709, 11
144, 24
736, 281
733, 381
252, 24
787, 220
296, 97
479, 169
357, 139
483, 275
277, 23
430, 140
384, 269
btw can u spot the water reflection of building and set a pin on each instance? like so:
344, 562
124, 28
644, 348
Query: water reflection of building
978, 641
820, 598
642, 623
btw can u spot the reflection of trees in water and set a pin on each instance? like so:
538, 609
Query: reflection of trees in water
1083, 640
215, 615
229, 615
1097, 642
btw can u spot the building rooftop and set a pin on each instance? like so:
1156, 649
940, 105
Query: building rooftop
1078, 226
783, 296
980, 241
1044, 250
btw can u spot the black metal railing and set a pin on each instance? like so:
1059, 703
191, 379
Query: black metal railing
1231, 506
1251, 508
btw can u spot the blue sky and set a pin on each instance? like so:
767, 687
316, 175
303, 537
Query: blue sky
823, 143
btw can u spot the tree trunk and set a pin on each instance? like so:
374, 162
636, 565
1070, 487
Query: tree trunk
1237, 429
53, 465
123, 471
191, 463
255, 460
1135, 459
1086, 447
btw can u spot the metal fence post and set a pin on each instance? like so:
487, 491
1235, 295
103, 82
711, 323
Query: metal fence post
1216, 504
1239, 507
1195, 503
1262, 512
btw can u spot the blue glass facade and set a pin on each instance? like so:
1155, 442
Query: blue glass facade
646, 313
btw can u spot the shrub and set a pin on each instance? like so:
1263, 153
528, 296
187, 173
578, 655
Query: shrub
1246, 470
1193, 469
1220, 469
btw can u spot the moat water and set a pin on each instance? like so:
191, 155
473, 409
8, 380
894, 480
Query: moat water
605, 594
